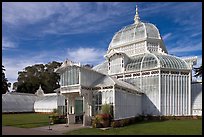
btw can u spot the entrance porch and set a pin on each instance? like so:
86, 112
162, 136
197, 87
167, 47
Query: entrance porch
81, 111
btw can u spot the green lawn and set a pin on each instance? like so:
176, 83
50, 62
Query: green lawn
170, 127
26, 120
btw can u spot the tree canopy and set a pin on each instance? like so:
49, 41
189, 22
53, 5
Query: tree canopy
198, 71
32, 77
5, 84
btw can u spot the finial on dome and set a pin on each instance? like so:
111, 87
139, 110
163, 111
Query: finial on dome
137, 18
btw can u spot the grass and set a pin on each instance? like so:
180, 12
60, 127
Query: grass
170, 127
26, 120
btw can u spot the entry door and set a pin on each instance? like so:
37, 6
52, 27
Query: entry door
79, 111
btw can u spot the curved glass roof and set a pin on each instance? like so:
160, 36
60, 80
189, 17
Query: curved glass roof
18, 102
134, 32
102, 68
168, 61
152, 60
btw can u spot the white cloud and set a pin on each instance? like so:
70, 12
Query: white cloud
166, 36
186, 48
17, 13
86, 55
6, 44
155, 7
18, 63
83, 55
62, 17
14, 65
196, 34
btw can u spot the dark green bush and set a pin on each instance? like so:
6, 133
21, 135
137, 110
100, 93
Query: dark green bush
149, 117
96, 121
132, 120
163, 118
56, 119
115, 124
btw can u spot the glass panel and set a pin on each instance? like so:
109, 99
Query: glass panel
70, 76
171, 62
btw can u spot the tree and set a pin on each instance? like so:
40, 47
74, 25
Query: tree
88, 66
5, 83
198, 71
32, 77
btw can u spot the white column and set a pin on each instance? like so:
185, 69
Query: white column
183, 96
84, 113
190, 106
176, 95
160, 92
165, 105
73, 105
187, 98
170, 94
67, 111
179, 95
114, 102
80, 76
173, 95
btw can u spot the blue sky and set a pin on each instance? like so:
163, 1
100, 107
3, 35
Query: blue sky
53, 31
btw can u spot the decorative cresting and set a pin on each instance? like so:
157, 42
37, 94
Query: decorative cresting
65, 64
137, 18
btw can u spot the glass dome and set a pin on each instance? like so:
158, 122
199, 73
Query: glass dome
134, 32
152, 60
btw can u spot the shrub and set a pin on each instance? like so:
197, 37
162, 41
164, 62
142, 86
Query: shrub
199, 117
139, 118
55, 110
149, 117
101, 119
126, 122
53, 119
132, 120
96, 122
56, 119
122, 123
115, 124
163, 118
107, 109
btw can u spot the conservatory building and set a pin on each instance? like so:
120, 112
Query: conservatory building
137, 77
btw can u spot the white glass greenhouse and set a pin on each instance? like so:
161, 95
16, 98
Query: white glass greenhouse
196, 98
137, 77
18, 102
50, 103
38, 102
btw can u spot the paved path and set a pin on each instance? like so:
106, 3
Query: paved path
57, 129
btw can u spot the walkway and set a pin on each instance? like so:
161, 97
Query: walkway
57, 129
